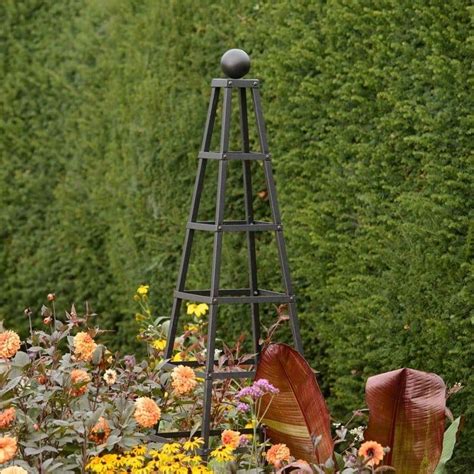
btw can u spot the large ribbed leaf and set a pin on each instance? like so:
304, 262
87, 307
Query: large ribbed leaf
407, 413
298, 415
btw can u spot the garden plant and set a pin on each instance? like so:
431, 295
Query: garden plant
68, 404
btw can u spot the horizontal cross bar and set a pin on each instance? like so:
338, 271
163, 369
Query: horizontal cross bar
235, 83
245, 374
195, 363
234, 226
232, 155
186, 434
240, 296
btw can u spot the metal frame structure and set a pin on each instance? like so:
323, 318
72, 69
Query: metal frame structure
215, 296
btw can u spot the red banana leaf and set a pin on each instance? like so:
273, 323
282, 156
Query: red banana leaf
407, 413
298, 414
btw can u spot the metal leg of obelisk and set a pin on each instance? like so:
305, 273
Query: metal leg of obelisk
188, 240
215, 271
248, 197
272, 196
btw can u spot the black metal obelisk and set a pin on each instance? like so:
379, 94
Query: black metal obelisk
235, 64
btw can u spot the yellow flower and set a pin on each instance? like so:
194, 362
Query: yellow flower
139, 450
170, 448
223, 454
177, 357
197, 309
159, 344
142, 290
191, 327
200, 469
193, 444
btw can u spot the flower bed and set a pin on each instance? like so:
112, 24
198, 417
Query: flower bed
69, 405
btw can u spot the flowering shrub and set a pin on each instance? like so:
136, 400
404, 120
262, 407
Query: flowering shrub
67, 404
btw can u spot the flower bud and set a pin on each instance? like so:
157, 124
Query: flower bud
51, 297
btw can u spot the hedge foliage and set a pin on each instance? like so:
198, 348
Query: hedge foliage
368, 107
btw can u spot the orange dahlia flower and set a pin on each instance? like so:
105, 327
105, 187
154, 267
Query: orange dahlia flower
79, 376
147, 412
84, 346
230, 438
184, 379
7, 417
373, 451
100, 431
7, 449
9, 344
277, 454
14, 470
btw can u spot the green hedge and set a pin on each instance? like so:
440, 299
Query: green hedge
367, 104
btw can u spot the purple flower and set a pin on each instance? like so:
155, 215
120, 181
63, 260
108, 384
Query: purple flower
243, 440
258, 389
130, 361
243, 407
266, 386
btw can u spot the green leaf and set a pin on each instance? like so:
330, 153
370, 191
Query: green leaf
449, 440
21, 359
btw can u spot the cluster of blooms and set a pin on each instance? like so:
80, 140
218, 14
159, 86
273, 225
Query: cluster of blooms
255, 391
9, 345
170, 458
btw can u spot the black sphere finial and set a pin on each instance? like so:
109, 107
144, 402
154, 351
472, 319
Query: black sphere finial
235, 63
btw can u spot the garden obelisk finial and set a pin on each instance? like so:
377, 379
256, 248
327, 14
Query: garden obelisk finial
235, 63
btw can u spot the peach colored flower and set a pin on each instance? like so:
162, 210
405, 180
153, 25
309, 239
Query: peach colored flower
184, 379
277, 454
147, 412
230, 438
79, 376
110, 376
373, 451
100, 431
7, 449
7, 417
14, 470
9, 344
84, 346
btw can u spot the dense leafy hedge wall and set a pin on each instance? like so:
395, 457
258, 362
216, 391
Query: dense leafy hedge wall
368, 106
